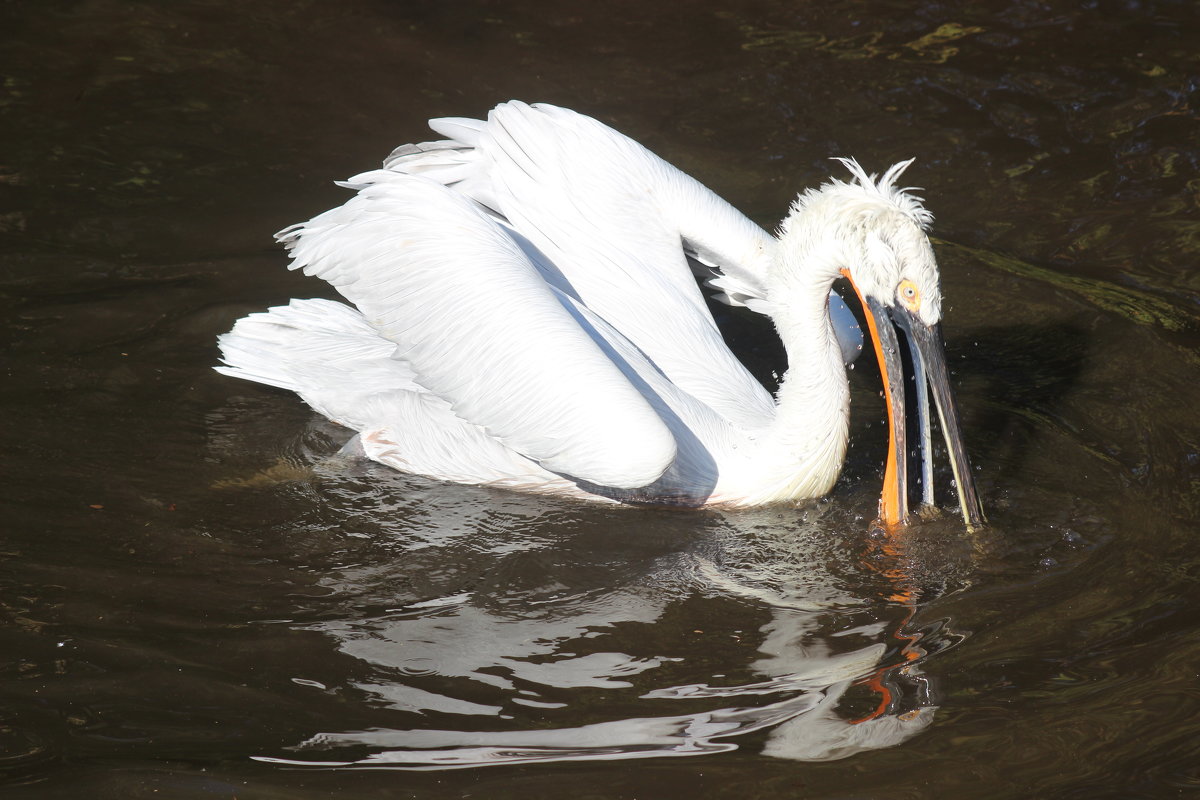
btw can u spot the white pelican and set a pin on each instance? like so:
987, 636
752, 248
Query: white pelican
524, 316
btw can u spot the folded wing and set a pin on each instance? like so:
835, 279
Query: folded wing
477, 325
610, 224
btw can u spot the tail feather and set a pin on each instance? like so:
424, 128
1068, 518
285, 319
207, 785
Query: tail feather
324, 351
331, 356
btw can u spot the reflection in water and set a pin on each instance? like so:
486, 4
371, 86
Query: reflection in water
492, 642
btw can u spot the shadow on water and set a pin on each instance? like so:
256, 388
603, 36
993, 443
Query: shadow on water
1020, 377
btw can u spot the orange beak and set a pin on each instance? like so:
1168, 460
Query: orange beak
893, 503
929, 362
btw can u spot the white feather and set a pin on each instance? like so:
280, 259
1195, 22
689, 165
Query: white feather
525, 316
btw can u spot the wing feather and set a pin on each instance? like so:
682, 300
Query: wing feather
478, 326
606, 213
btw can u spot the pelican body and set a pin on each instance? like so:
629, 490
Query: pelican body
524, 314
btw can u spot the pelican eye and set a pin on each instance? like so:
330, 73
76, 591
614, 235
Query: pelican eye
909, 295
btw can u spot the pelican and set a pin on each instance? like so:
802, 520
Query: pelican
525, 315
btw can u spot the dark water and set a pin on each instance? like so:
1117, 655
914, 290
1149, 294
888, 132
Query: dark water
194, 597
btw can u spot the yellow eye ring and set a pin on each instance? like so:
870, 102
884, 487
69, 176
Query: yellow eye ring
909, 295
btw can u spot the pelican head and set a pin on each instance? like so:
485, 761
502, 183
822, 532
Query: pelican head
876, 236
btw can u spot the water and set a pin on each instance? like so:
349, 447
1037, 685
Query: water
197, 600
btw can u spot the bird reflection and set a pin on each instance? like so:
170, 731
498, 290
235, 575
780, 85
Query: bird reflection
506, 629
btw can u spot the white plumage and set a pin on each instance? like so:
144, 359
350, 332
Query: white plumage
525, 315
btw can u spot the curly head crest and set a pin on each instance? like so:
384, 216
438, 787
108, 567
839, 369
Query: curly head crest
885, 188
